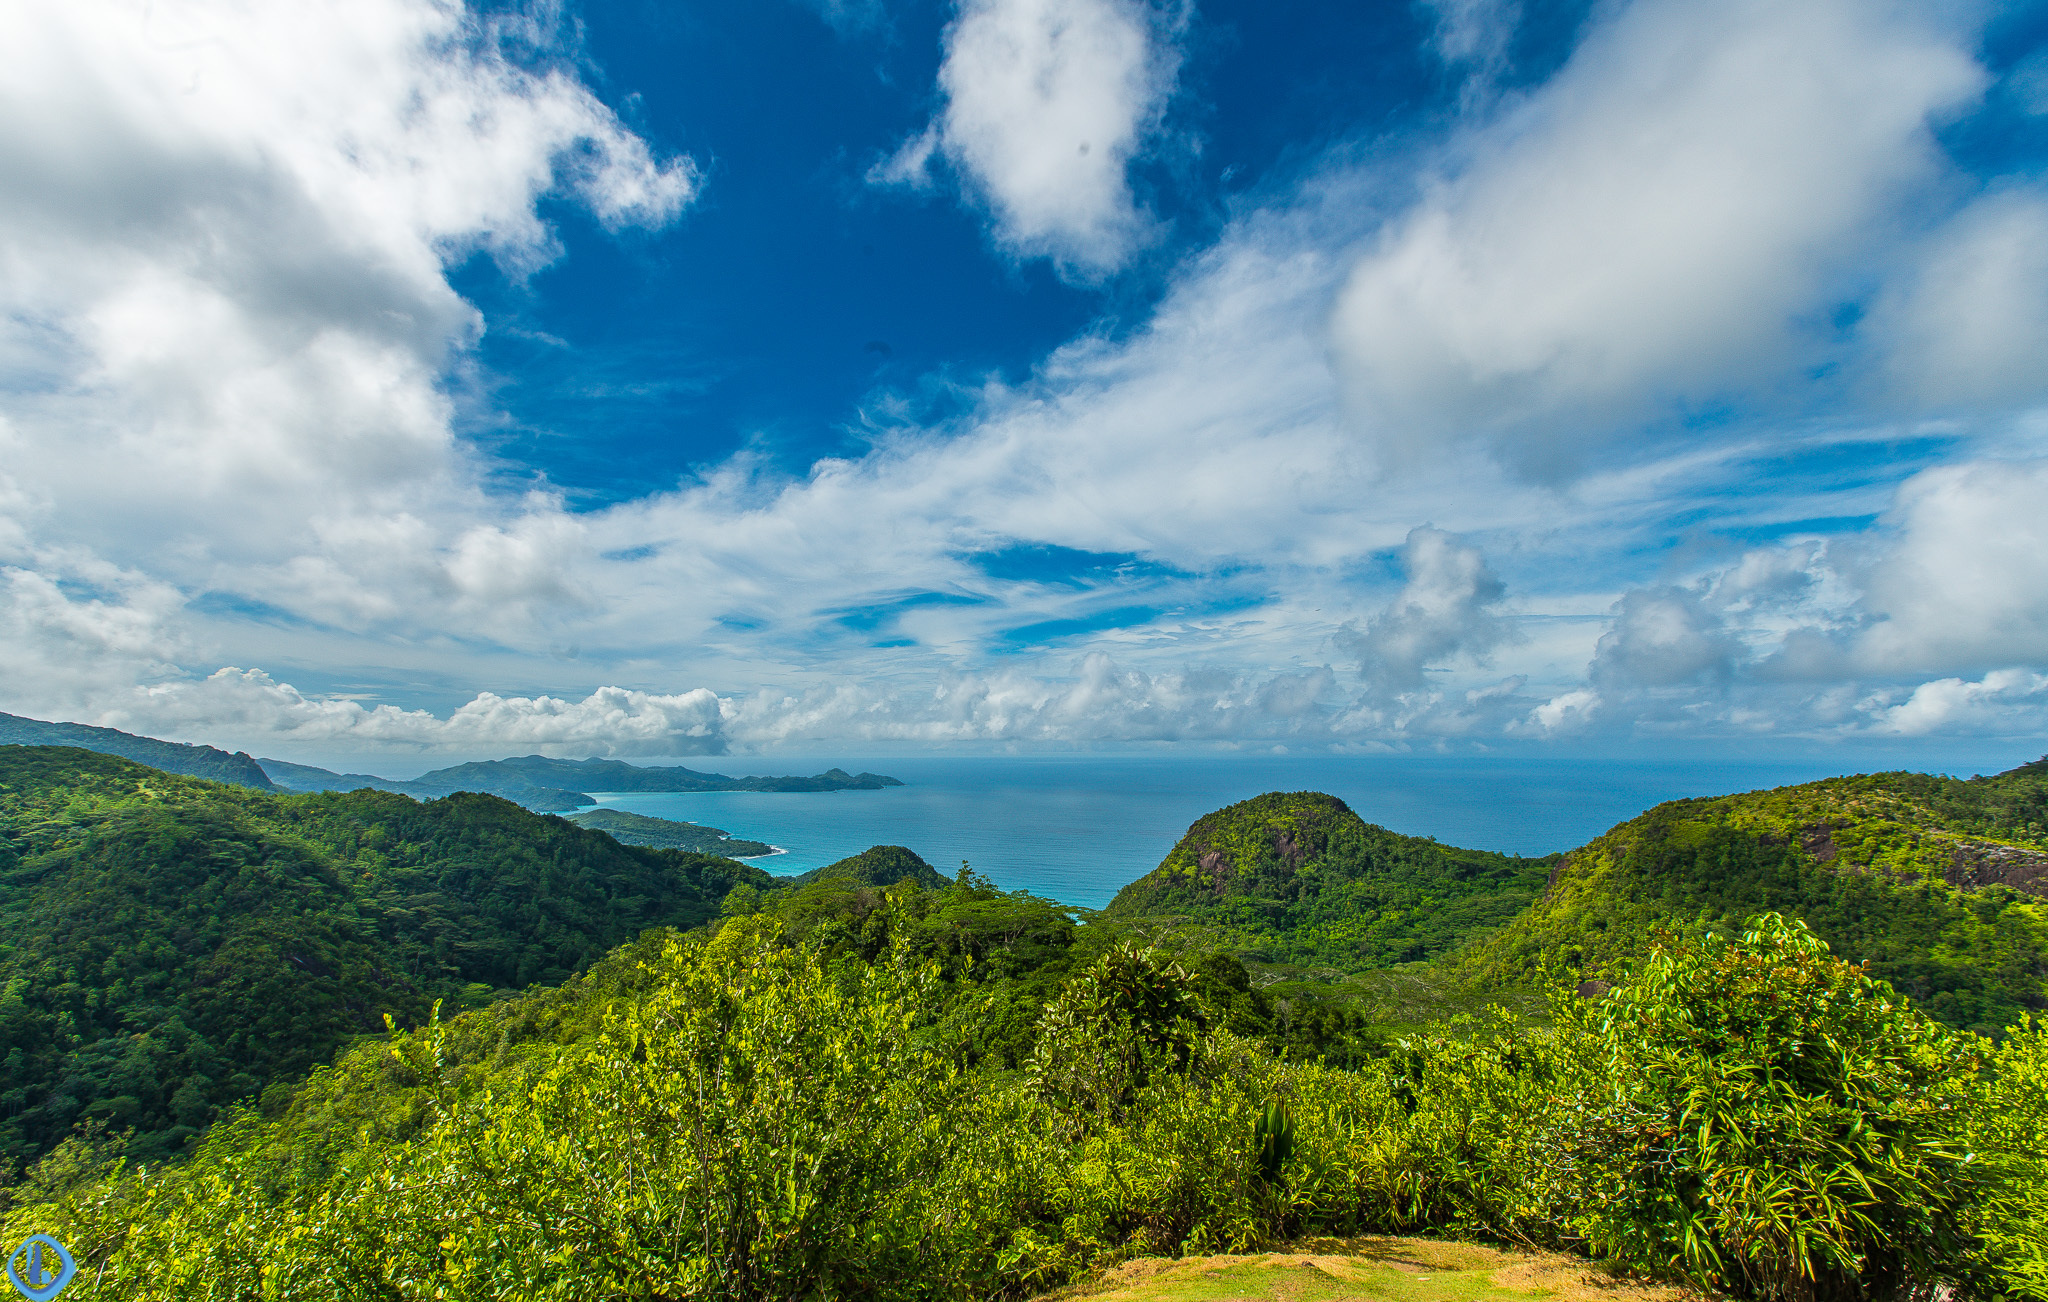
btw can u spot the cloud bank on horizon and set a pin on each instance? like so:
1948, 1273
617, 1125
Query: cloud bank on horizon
1681, 377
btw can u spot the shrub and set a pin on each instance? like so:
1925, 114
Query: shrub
2009, 1132
1774, 1121
1130, 1015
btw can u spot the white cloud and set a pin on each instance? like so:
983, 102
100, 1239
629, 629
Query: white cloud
1474, 37
2007, 700
1473, 31
1965, 585
1047, 104
257, 712
1664, 637
235, 362
1095, 699
1648, 227
1448, 608
75, 630
1571, 712
224, 230
1968, 327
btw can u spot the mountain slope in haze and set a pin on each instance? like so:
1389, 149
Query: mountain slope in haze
169, 945
558, 786
1940, 883
206, 762
286, 776
541, 800
669, 834
1297, 877
616, 775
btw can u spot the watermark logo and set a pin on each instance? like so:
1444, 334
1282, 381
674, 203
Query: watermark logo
30, 1268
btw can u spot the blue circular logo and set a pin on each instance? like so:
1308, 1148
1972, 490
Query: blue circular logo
30, 1268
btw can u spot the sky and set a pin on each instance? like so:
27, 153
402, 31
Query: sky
411, 379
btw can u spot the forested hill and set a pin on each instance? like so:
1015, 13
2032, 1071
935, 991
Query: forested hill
170, 756
168, 945
1299, 878
668, 834
1938, 882
882, 865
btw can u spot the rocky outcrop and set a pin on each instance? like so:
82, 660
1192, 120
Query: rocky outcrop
1290, 850
1984, 863
1818, 841
1217, 865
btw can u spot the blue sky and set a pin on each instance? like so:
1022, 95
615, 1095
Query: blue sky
404, 379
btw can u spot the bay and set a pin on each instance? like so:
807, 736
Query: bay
1077, 828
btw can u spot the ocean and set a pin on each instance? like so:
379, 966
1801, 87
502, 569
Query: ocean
1077, 828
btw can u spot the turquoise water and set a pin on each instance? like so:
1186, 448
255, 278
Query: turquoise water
1078, 828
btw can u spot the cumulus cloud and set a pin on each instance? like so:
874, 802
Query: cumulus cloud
1664, 637
1965, 585
1047, 104
1449, 607
256, 710
1093, 700
75, 630
1807, 637
1649, 227
2008, 700
224, 232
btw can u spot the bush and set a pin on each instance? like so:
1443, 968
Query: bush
1128, 1017
737, 1116
1765, 1118
2009, 1132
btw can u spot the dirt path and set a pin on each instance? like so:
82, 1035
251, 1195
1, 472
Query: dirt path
1369, 1270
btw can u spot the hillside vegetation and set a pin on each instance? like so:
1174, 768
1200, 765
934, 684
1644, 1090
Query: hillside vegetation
668, 834
762, 1110
1299, 878
168, 945
874, 1081
1939, 883
171, 756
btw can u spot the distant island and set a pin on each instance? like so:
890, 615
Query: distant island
551, 786
546, 786
670, 834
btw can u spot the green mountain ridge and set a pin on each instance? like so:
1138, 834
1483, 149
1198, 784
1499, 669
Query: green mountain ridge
169, 945
1941, 884
207, 762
